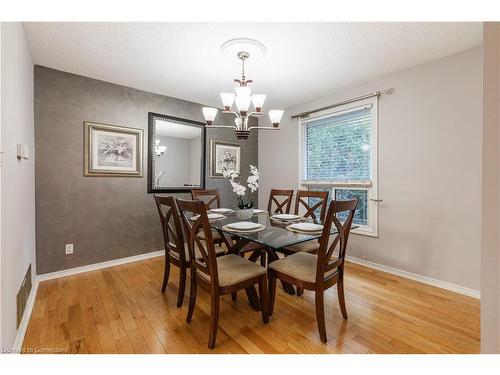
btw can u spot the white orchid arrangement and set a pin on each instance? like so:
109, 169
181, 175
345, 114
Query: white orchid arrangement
239, 189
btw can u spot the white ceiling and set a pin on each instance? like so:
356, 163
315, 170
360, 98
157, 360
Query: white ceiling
176, 130
303, 61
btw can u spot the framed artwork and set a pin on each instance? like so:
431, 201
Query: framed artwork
112, 151
224, 156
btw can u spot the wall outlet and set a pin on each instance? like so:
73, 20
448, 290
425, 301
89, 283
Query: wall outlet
22, 151
69, 248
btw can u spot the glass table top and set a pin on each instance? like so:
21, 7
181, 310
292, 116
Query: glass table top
274, 236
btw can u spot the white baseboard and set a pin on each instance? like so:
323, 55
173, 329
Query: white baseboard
23, 326
98, 266
416, 277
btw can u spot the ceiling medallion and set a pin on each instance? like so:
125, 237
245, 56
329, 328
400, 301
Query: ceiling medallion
242, 98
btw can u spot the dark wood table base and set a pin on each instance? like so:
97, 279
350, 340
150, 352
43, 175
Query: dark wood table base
272, 256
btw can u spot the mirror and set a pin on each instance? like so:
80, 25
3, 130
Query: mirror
176, 154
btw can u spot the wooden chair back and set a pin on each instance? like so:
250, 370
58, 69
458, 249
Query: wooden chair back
207, 263
281, 199
171, 226
326, 247
303, 197
210, 197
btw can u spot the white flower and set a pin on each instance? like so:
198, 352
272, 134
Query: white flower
254, 170
237, 188
229, 174
252, 182
253, 179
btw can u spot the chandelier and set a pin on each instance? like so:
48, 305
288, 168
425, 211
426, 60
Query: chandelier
159, 150
242, 99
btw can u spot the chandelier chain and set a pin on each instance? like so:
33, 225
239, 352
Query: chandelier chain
243, 70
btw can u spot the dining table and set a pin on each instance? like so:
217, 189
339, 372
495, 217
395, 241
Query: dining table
272, 238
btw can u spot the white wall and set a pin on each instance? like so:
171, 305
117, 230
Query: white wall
18, 177
490, 244
195, 161
429, 167
174, 161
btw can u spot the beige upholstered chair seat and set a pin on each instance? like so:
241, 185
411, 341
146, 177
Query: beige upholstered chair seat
233, 269
301, 266
311, 246
304, 247
216, 236
197, 253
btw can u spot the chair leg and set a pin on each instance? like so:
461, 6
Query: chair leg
254, 256
192, 298
166, 273
272, 292
264, 299
300, 291
234, 296
340, 293
288, 288
320, 314
214, 319
182, 286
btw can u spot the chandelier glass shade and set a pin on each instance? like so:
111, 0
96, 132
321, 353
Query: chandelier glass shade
242, 99
159, 150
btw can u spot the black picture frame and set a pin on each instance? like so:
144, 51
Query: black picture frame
151, 139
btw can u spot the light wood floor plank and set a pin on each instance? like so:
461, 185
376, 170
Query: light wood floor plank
121, 310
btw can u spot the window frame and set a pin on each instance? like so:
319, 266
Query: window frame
371, 186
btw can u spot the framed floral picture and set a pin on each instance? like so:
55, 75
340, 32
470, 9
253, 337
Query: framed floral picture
224, 156
112, 151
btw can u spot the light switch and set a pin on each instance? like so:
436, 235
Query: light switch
22, 151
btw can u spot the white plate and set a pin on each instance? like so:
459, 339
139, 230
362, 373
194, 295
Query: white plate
258, 211
221, 210
214, 216
244, 225
209, 216
307, 227
286, 217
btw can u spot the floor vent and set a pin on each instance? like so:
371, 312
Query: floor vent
22, 295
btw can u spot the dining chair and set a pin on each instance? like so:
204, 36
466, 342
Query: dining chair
276, 203
303, 200
211, 197
318, 272
176, 251
220, 275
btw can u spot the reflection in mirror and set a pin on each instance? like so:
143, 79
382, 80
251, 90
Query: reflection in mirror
176, 154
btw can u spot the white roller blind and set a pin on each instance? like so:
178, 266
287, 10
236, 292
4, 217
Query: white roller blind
339, 147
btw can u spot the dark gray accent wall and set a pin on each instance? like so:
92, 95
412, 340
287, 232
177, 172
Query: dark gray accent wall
104, 217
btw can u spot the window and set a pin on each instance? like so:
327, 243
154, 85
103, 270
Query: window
338, 153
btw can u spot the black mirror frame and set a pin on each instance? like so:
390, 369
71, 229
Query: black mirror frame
151, 130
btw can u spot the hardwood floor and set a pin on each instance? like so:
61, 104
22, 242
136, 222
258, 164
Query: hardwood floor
121, 310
